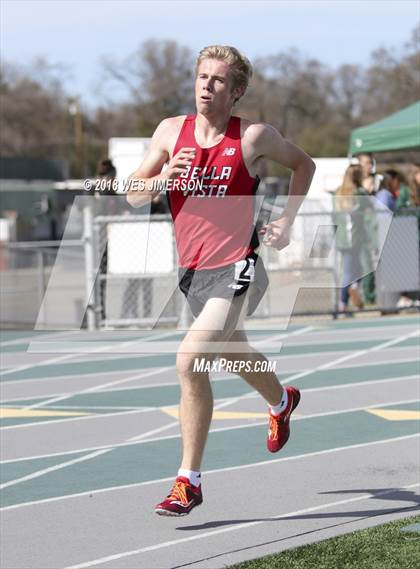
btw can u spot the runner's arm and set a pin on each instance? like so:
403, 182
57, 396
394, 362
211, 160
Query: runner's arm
269, 143
150, 169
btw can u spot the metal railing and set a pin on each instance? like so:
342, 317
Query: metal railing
122, 272
26, 267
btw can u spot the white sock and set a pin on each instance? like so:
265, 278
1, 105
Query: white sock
277, 409
193, 476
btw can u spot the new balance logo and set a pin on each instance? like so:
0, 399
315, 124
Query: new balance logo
228, 152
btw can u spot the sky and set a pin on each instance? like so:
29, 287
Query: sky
77, 33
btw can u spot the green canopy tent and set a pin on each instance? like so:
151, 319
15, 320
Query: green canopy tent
399, 131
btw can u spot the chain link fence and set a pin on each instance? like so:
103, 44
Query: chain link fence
26, 269
137, 284
137, 280
122, 271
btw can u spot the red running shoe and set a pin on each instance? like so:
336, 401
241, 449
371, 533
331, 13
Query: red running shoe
182, 499
278, 426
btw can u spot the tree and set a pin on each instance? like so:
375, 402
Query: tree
159, 80
34, 112
392, 80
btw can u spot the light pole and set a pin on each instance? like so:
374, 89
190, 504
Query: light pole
74, 110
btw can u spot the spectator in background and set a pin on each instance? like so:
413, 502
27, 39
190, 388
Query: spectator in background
367, 164
368, 184
410, 195
369, 174
389, 190
106, 169
351, 235
368, 281
402, 190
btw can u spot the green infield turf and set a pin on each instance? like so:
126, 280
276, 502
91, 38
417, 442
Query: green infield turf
381, 547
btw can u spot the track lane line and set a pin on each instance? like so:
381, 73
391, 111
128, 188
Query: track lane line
249, 395
148, 437
208, 472
299, 375
27, 339
217, 407
13, 402
332, 363
215, 430
73, 355
152, 409
214, 379
238, 527
49, 401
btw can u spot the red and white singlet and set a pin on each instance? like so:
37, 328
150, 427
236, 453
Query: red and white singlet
212, 204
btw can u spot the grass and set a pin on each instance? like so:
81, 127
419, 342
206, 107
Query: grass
381, 547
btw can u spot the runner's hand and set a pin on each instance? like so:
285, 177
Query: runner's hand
180, 162
277, 233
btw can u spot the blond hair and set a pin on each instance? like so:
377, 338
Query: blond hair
352, 181
240, 66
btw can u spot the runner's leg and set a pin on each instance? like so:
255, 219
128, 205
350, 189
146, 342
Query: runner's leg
266, 383
206, 337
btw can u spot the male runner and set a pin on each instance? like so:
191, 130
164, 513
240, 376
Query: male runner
220, 271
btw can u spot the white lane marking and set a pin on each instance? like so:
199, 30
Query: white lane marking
95, 350
88, 407
346, 385
214, 379
157, 408
148, 438
208, 472
49, 401
378, 347
89, 456
319, 328
154, 409
250, 395
361, 383
101, 349
333, 363
318, 368
95, 388
322, 337
269, 339
39, 473
26, 339
238, 527
90, 417
221, 405
215, 407
136, 376
106, 348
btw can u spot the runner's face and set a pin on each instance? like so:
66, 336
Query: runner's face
213, 87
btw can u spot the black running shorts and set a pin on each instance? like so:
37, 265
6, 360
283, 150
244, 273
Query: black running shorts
246, 275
